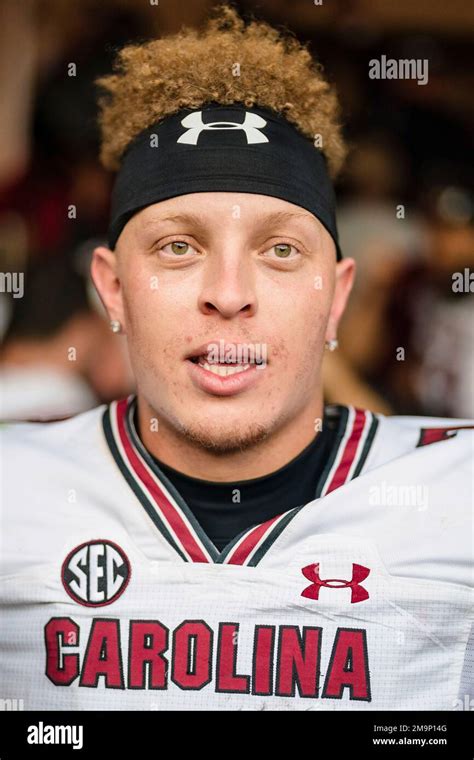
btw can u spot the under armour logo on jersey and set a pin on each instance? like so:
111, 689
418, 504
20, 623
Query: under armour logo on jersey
251, 125
96, 573
358, 592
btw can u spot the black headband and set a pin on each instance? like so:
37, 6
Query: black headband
223, 148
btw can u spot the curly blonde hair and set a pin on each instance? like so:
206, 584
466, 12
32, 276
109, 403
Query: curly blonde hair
157, 78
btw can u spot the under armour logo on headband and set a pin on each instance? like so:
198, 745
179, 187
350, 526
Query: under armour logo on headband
207, 151
195, 125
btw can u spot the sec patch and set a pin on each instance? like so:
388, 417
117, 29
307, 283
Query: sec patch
96, 573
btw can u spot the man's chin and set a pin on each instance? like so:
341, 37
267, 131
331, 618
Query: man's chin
223, 440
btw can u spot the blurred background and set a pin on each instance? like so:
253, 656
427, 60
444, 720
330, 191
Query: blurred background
406, 198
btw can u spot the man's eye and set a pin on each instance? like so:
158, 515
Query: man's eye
283, 250
177, 248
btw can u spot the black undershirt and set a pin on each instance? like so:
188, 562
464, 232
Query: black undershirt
222, 517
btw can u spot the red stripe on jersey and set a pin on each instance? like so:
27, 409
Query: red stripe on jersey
244, 549
350, 450
435, 434
169, 511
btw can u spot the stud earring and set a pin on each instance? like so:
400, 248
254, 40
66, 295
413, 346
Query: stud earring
331, 345
115, 326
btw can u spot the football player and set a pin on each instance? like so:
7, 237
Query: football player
220, 539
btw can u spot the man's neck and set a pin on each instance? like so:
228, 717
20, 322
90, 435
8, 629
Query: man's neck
269, 455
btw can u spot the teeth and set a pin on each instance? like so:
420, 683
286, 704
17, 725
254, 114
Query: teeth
224, 370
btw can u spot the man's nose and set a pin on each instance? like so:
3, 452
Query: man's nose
229, 286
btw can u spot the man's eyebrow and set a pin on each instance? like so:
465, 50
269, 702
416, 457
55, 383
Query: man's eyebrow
264, 219
184, 218
277, 217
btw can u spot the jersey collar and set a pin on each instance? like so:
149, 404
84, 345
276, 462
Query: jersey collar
174, 519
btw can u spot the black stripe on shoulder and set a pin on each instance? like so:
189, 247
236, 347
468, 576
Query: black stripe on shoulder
166, 482
150, 510
367, 446
341, 429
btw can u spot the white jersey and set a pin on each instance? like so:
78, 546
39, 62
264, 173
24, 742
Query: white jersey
113, 598
40, 392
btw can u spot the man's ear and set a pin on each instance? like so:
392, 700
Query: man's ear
104, 273
345, 272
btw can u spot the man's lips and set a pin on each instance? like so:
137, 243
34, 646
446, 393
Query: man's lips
217, 375
227, 347
223, 380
